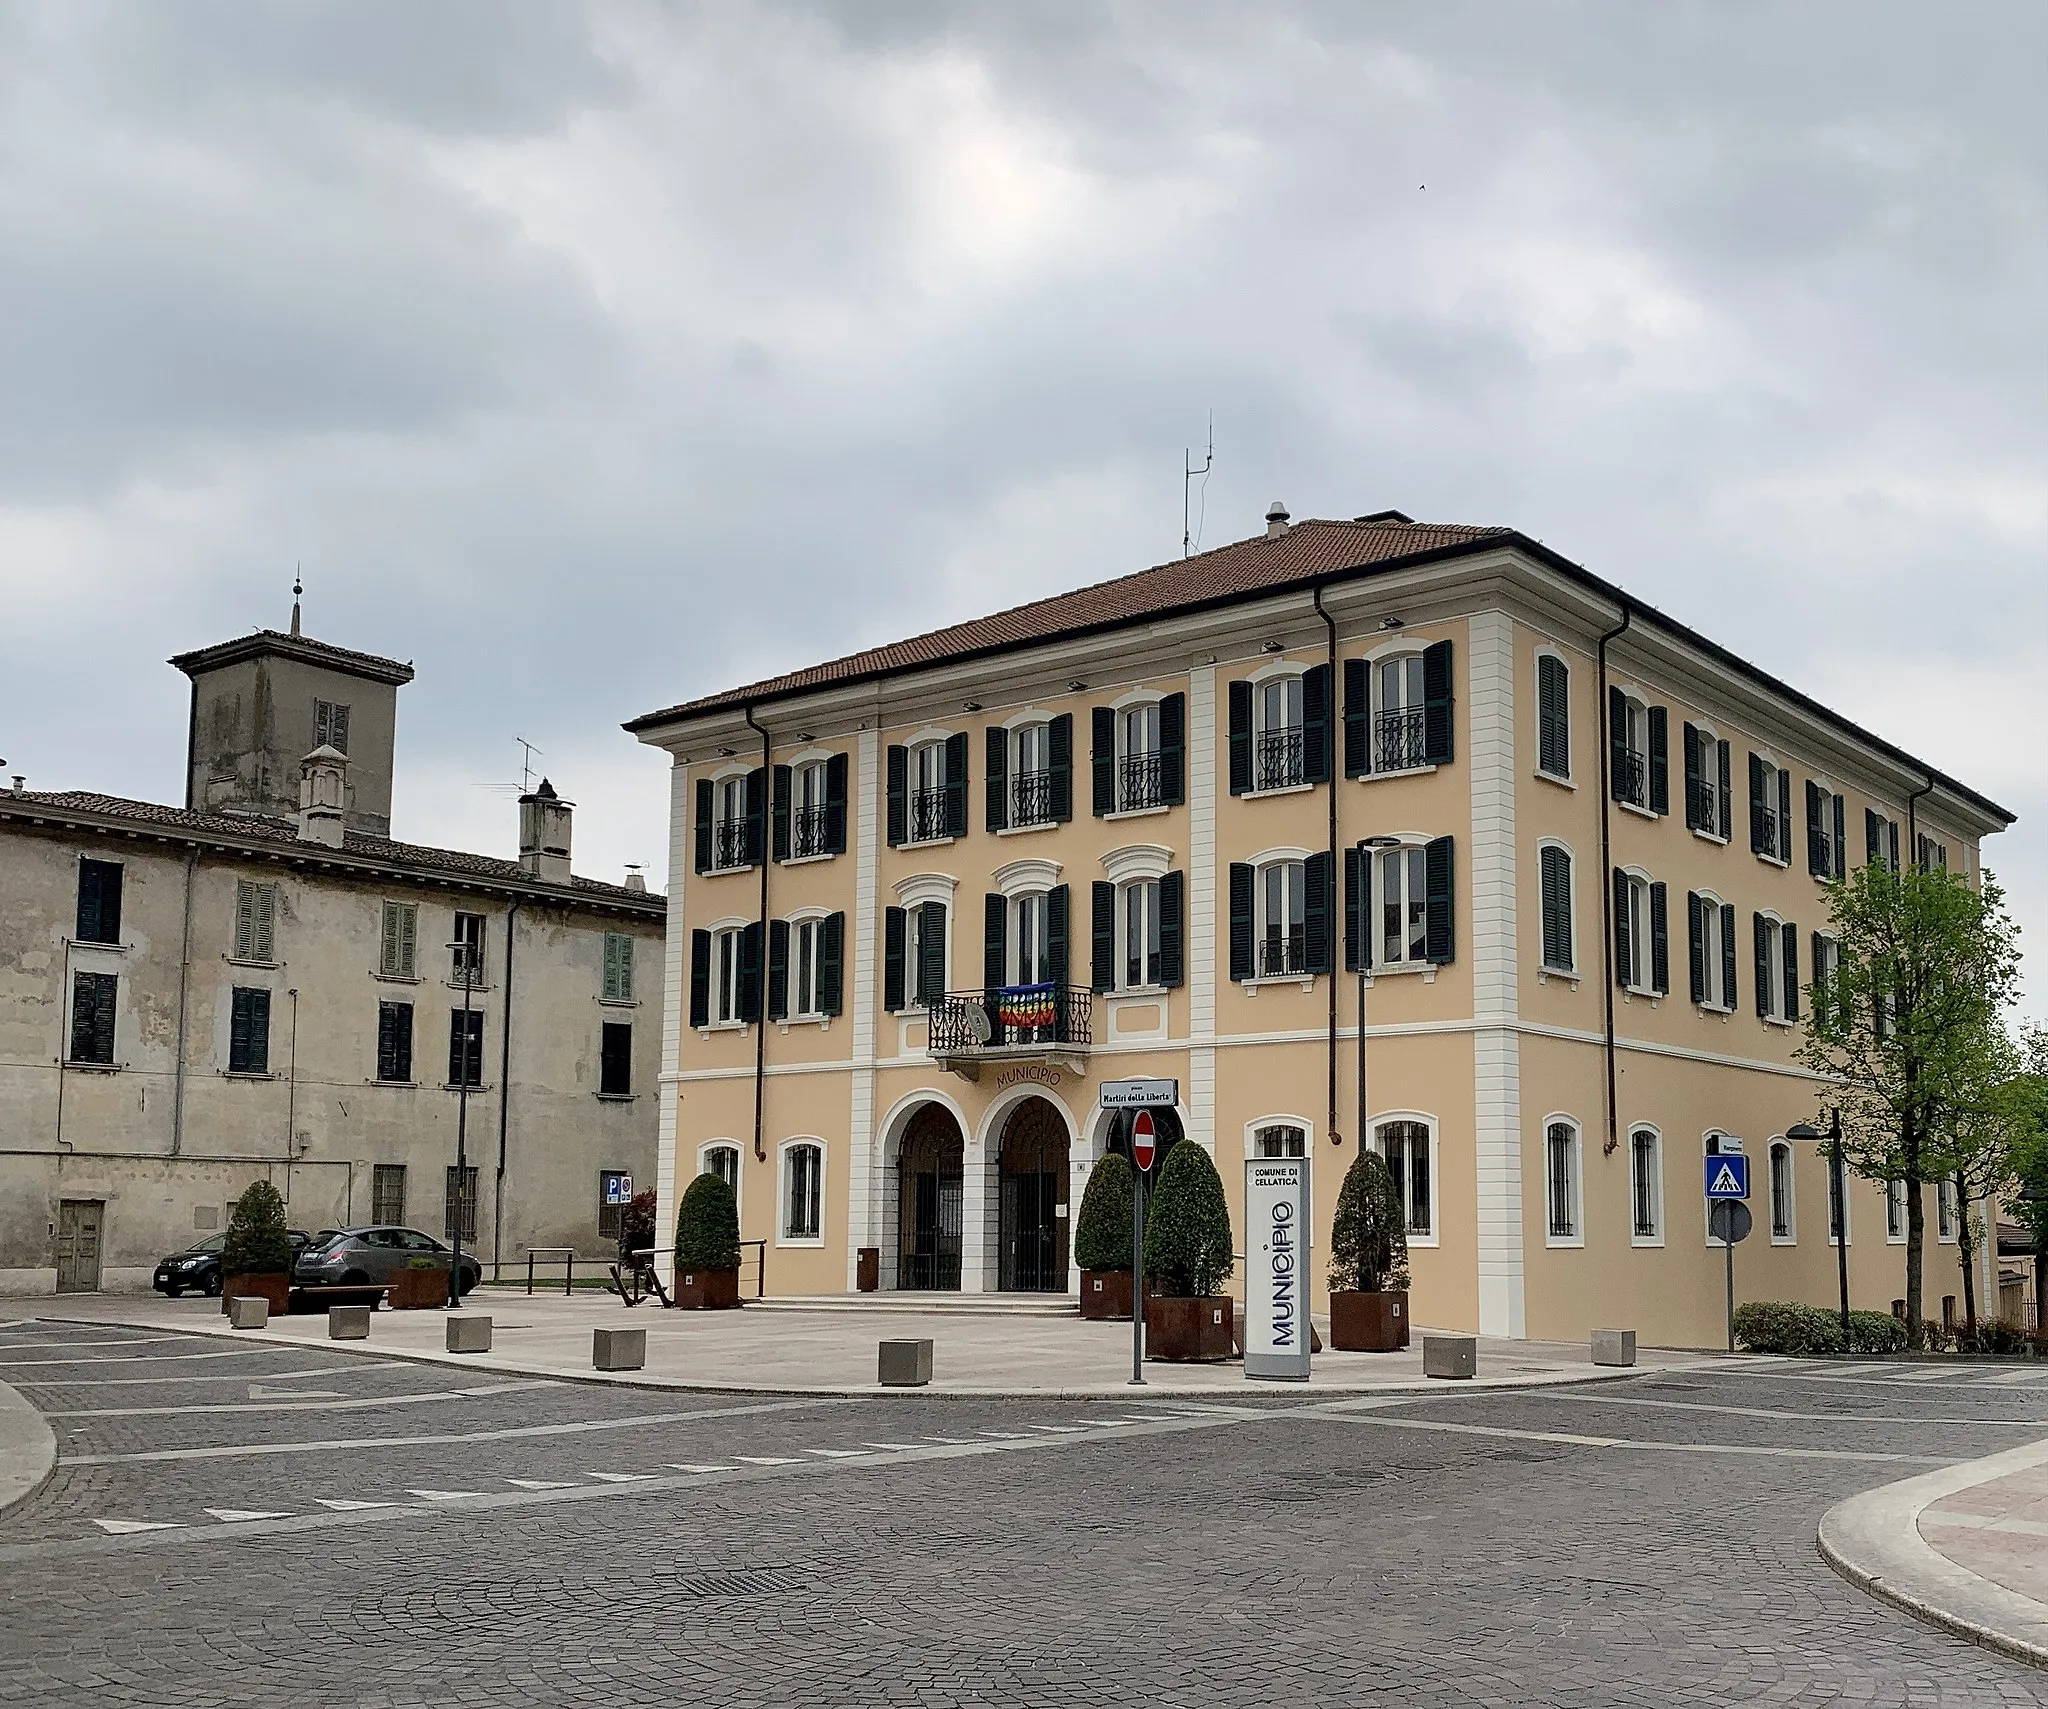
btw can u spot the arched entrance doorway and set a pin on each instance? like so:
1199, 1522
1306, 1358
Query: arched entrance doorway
928, 1175
1166, 1134
1033, 1250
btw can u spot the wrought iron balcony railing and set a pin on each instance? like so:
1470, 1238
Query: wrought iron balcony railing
1031, 798
1631, 777
927, 814
806, 832
732, 843
1009, 1017
1705, 802
1282, 953
1398, 741
1143, 783
1282, 757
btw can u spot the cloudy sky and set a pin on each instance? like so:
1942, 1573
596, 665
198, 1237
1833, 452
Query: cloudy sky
594, 357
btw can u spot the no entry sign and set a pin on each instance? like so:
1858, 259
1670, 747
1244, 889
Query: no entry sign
1144, 1141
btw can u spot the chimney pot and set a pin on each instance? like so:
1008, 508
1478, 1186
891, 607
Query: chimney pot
1276, 520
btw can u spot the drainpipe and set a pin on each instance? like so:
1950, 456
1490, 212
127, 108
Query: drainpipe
184, 1001
291, 1096
504, 1099
1330, 910
1912, 851
761, 1020
1607, 884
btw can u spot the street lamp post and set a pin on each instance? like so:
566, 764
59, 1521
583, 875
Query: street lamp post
1838, 1188
469, 1062
1367, 847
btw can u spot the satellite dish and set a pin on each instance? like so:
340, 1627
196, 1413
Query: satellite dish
978, 1023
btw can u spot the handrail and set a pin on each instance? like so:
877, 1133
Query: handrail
564, 1255
760, 1266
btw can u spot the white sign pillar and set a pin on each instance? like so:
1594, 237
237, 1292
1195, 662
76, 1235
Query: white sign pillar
1276, 1284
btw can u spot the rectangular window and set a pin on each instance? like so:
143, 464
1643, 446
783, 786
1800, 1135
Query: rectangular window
1553, 716
1283, 938
1280, 1141
1947, 1216
1141, 780
459, 1209
92, 1017
1629, 740
1141, 933
465, 1048
1770, 810
398, 941
1713, 951
1280, 747
1647, 1185
394, 1043
732, 835
1031, 800
387, 1192
330, 726
99, 902
808, 830
1827, 962
727, 955
1931, 855
1706, 788
249, 1031
1880, 839
1403, 897
1895, 1210
1777, 969
1561, 1147
466, 956
615, 1060
805, 1168
1825, 810
928, 792
1405, 1147
1030, 940
255, 921
805, 940
618, 967
1781, 1191
1556, 865
1400, 739
1635, 933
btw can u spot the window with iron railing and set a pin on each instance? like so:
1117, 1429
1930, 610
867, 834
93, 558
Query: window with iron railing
927, 814
1282, 953
1031, 798
1631, 776
1142, 782
1399, 741
806, 832
1703, 804
1282, 759
730, 843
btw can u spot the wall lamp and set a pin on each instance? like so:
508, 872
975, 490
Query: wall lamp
1393, 622
970, 706
1269, 646
1076, 686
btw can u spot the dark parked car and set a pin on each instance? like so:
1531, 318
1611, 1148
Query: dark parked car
198, 1267
371, 1257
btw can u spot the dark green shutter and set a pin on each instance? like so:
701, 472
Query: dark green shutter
1817, 861
997, 784
1173, 909
1784, 815
1761, 934
1102, 760
1892, 840
956, 785
1820, 996
835, 804
1553, 715
1728, 955
99, 903
1241, 740
1317, 878
1436, 705
778, 970
931, 951
1102, 936
778, 838
1660, 940
700, 979
893, 932
1696, 943
1692, 778
832, 964
1617, 744
1357, 718
1841, 866
1242, 961
995, 940
1173, 750
1060, 786
757, 815
1791, 936
1056, 911
1659, 721
1623, 960
1556, 880
1439, 930
704, 811
750, 971
1724, 786
1315, 724
1760, 841
1873, 836
1357, 891
899, 797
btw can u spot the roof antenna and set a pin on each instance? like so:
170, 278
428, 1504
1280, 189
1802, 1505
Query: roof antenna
1187, 478
298, 587
526, 765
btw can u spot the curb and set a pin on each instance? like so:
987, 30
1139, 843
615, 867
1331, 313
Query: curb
28, 1448
1873, 1540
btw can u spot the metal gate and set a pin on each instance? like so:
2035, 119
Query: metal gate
928, 1200
1032, 1256
78, 1245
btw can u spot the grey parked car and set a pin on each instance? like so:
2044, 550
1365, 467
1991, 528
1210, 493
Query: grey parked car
371, 1257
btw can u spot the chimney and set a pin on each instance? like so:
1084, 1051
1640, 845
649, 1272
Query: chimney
635, 881
1276, 520
544, 834
323, 796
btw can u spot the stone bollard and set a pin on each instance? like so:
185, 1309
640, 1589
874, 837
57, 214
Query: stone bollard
1454, 1356
905, 1364
618, 1349
469, 1332
348, 1323
1614, 1346
249, 1311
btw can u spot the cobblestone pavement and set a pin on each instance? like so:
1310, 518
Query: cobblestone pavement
271, 1525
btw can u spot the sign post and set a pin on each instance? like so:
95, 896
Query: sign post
1276, 1220
1728, 1218
1144, 1096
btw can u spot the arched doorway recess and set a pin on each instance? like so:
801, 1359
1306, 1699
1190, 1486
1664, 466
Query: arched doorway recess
1033, 1221
928, 1196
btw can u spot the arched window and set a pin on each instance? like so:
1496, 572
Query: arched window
1783, 1228
1646, 1187
1553, 717
1407, 1147
1561, 1172
803, 1192
721, 1158
1559, 947
1280, 1139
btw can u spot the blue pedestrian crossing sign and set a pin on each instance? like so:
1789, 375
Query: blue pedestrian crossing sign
1728, 1176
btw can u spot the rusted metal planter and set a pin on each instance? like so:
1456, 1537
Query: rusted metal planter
1106, 1295
1180, 1331
707, 1290
417, 1290
276, 1288
1369, 1323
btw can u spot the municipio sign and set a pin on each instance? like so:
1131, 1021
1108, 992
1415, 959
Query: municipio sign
1140, 1094
1276, 1213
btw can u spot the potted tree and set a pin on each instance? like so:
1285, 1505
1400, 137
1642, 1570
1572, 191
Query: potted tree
1187, 1258
708, 1246
1368, 1261
1102, 1239
256, 1256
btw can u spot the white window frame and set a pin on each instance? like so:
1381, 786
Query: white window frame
1635, 738
1829, 795
1715, 953
1255, 1133
1775, 1014
1775, 793
924, 769
1034, 731
1030, 914
1378, 704
1563, 778
1145, 710
728, 807
725, 973
1773, 1150
1411, 860
785, 1154
1639, 1130
1947, 1212
1895, 1213
1710, 779
804, 1005
1148, 890
1266, 678
1821, 947
809, 780
1641, 977
922, 887
739, 1164
1433, 1236
1571, 909
1292, 891
1575, 1182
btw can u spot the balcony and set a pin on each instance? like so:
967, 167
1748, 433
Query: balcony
1704, 801
927, 814
1398, 740
1281, 759
732, 844
1012, 1024
806, 832
1283, 954
1631, 777
1141, 783
1031, 798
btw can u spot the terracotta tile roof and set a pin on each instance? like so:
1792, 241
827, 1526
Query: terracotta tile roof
241, 829
294, 647
1249, 567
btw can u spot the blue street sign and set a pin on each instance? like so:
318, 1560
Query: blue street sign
1728, 1176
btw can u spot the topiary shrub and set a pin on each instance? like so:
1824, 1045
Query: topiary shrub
1102, 1233
1784, 1326
708, 1226
1369, 1237
257, 1243
1875, 1332
1187, 1229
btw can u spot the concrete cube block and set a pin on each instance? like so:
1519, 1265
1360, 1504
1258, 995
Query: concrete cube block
469, 1332
906, 1364
1454, 1356
1614, 1346
249, 1311
618, 1349
348, 1323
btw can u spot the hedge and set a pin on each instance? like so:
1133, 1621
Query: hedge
1102, 1232
1187, 1229
1811, 1331
708, 1226
257, 1242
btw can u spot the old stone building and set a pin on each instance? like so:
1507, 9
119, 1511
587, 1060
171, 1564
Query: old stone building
261, 983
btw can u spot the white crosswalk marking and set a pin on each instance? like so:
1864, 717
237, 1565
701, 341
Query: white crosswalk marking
674, 1467
1004, 1435
839, 1453
954, 1441
621, 1477
128, 1527
341, 1506
2005, 1379
540, 1483
444, 1494
893, 1447
763, 1460
236, 1515
1058, 1429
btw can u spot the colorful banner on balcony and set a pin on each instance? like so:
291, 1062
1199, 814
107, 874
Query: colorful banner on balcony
1026, 1005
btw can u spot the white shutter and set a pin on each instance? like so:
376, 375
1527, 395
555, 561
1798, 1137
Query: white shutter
245, 920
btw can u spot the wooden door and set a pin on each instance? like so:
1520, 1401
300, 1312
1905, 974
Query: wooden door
78, 1245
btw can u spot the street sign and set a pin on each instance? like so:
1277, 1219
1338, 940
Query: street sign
1728, 1176
618, 1189
1140, 1094
1276, 1214
1728, 1220
1144, 1141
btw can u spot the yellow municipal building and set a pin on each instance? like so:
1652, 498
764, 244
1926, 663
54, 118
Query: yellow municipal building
1562, 856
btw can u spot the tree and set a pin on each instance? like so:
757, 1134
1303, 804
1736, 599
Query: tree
1369, 1237
257, 1243
708, 1226
1187, 1229
2027, 1153
1977, 1148
1908, 1027
1102, 1232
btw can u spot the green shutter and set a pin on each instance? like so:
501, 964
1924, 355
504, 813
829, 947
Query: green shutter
1241, 740
1057, 907
1659, 721
1791, 938
1760, 837
1102, 936
931, 951
1693, 804
1243, 963
700, 979
995, 948
899, 796
1623, 958
704, 810
1436, 705
778, 970
1059, 741
1439, 943
778, 841
956, 785
1102, 760
1728, 955
1660, 940
835, 804
1317, 882
1357, 891
1173, 907
1762, 936
1173, 750
1357, 720
1315, 724
893, 932
750, 971
831, 964
1696, 943
1553, 716
757, 815
996, 786
1724, 787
